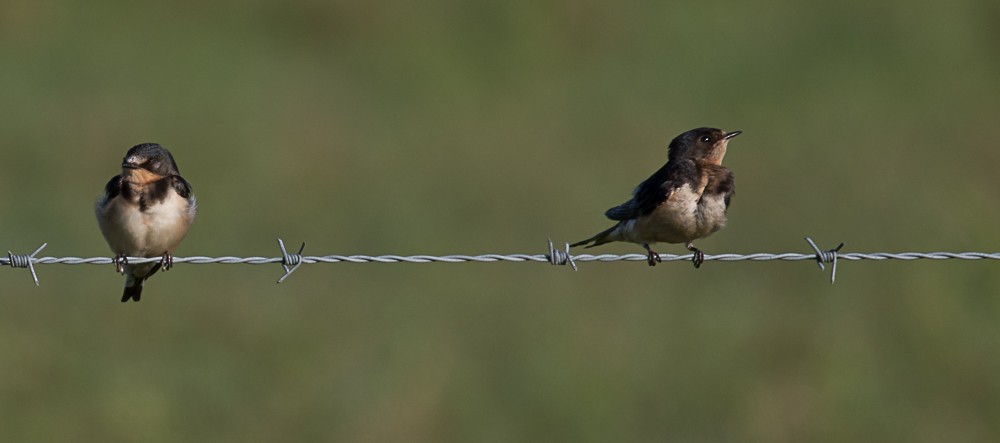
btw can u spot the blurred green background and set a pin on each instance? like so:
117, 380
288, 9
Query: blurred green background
445, 127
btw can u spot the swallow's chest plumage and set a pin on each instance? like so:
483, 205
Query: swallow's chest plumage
145, 220
693, 210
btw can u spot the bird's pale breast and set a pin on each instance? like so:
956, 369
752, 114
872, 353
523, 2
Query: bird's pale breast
686, 215
148, 233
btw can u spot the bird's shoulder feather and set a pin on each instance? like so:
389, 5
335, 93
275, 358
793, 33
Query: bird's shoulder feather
111, 190
181, 186
656, 189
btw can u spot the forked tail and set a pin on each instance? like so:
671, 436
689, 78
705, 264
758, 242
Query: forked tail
133, 292
599, 239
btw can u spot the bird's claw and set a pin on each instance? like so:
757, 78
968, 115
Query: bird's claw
653, 258
120, 261
698, 258
167, 261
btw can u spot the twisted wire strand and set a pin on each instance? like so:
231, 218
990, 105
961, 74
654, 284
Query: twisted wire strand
291, 262
542, 258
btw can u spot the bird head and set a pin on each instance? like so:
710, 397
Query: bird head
701, 144
148, 162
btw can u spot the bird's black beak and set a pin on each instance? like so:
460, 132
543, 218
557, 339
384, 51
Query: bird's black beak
730, 135
127, 165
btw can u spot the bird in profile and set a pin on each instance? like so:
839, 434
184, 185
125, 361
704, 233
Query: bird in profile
145, 212
683, 201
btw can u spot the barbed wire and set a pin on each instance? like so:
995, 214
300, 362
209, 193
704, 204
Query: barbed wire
291, 262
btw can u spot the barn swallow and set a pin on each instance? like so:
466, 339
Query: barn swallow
683, 201
145, 212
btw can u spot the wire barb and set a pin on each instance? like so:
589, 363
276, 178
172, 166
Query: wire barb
560, 257
293, 260
26, 261
829, 256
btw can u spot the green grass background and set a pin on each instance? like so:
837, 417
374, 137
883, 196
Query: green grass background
444, 127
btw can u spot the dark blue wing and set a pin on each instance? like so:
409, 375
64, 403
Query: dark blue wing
655, 190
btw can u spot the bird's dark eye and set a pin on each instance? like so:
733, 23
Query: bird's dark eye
705, 139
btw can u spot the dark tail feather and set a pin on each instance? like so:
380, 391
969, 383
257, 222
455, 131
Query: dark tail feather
133, 292
599, 239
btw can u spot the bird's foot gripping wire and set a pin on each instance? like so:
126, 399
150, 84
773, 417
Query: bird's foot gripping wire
120, 261
651, 257
167, 261
698, 258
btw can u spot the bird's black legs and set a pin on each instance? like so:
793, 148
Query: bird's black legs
652, 257
167, 261
699, 256
120, 261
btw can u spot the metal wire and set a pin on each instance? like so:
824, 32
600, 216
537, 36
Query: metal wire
25, 261
492, 258
291, 262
